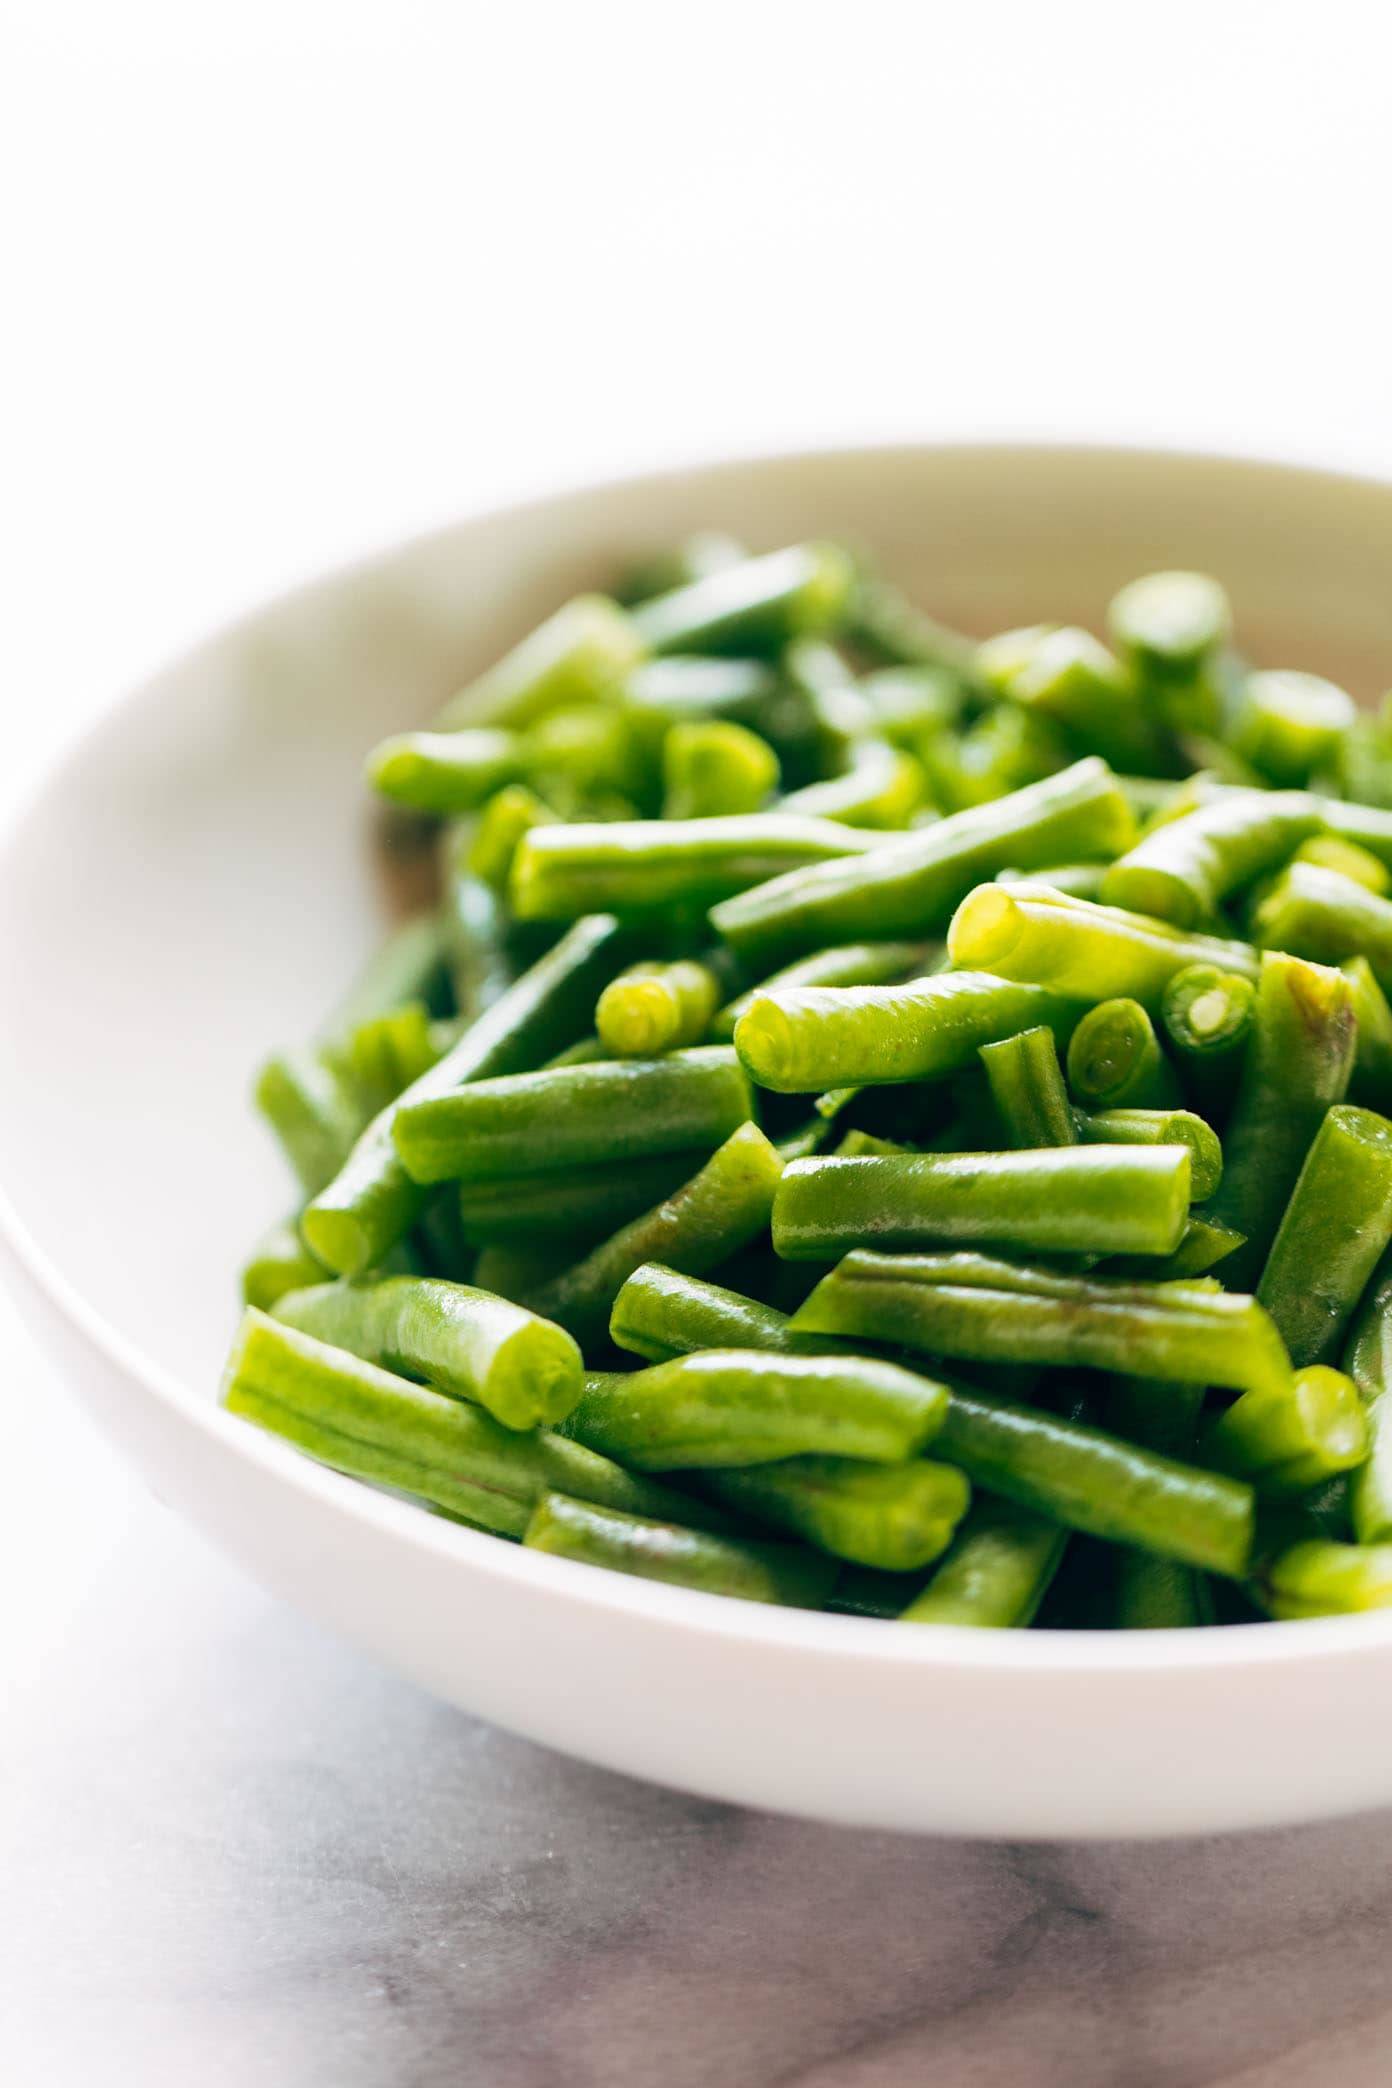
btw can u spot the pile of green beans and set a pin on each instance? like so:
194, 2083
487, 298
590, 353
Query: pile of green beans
868, 1113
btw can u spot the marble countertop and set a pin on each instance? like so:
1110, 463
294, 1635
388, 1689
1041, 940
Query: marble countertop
235, 1851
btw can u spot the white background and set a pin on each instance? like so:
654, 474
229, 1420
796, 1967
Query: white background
284, 281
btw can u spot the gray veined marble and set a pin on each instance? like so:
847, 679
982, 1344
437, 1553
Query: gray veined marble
234, 1853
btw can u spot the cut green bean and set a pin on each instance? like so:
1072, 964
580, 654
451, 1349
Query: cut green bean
1370, 1493
576, 655
373, 1425
1332, 1235
909, 885
525, 1371
1331, 853
1029, 934
1296, 1067
1026, 1083
850, 964
1289, 1440
882, 786
1073, 880
1170, 623
1161, 1127
1207, 1016
1184, 870
715, 768
372, 1201
1367, 1354
386, 1055
996, 1574
1075, 1474
699, 1226
279, 1262
445, 772
1288, 725
752, 607
645, 867
897, 1517
1323, 1579
680, 1556
978, 1308
1154, 1594
1319, 913
727, 1407
313, 1113
509, 814
572, 1207
1061, 1200
1115, 1061
480, 960
1203, 1246
801, 1039
1069, 677
572, 1116
660, 1313
658, 1007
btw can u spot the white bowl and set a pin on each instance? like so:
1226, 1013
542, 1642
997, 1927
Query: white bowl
191, 885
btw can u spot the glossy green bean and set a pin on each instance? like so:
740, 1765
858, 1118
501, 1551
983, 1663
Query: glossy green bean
525, 1371
1027, 933
1071, 678
373, 1425
386, 1055
800, 1039
1297, 1065
1073, 880
1203, 1246
279, 1262
1318, 1578
1288, 725
1319, 913
699, 1226
897, 1517
1026, 1083
572, 1116
881, 786
726, 1407
1289, 1440
1370, 1493
1332, 1235
372, 1201
714, 768
1207, 1016
490, 848
1184, 870
657, 1007
1161, 1127
757, 605
978, 1308
848, 964
1331, 853
1075, 1474
580, 653
314, 1114
660, 1313
680, 1556
1050, 1200
1169, 624
909, 885
1154, 1594
1115, 1060
570, 1207
646, 867
996, 1573
1367, 1353
445, 772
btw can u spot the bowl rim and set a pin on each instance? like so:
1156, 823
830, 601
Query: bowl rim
859, 1640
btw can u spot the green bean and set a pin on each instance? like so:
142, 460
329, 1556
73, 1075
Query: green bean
885, 621
1368, 826
585, 1051
476, 934
1154, 1594
908, 705
572, 1116
1367, 1354
1169, 624
753, 606
1070, 678
858, 1144
660, 1314
897, 1517
996, 1573
1003, 751
1027, 1088
1349, 859
1333, 1233
1289, 1440
372, 1201
386, 1055
840, 716
701, 1224
657, 1007
1115, 1060
1288, 725
704, 552
313, 1113
881, 787
714, 767
727, 1407
851, 964
1203, 1246
1296, 1067
581, 754
700, 690
797, 1040
1370, 1494
1161, 1127
1207, 1016
909, 885
445, 772
1318, 913
279, 1262
971, 1306
682, 1557
1077, 1475
373, 1425
1184, 870
640, 868
1032, 935
1323, 1579
576, 655
1050, 1200
574, 1207
524, 1370
1073, 880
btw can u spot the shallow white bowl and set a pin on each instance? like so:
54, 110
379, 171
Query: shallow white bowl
192, 884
